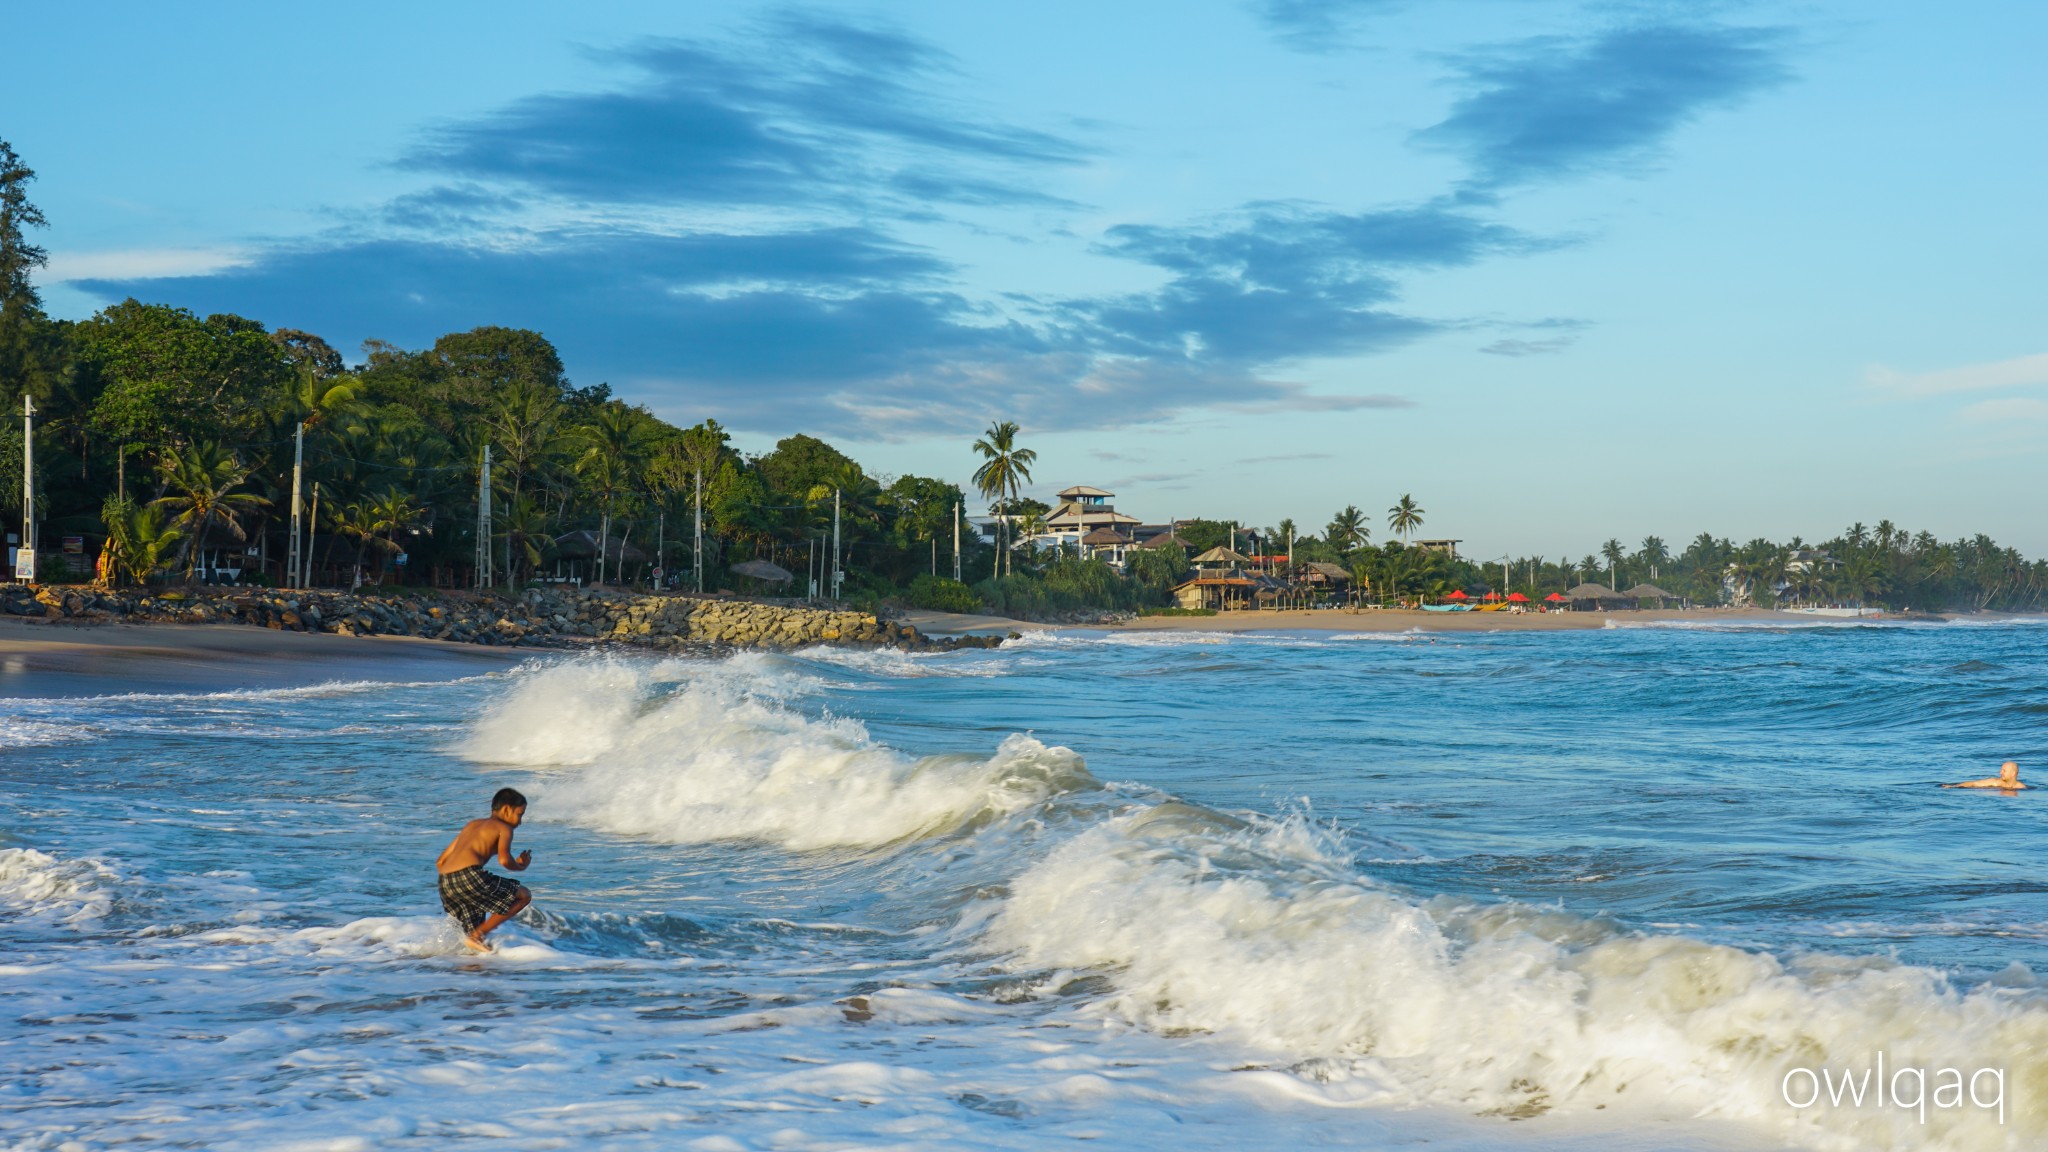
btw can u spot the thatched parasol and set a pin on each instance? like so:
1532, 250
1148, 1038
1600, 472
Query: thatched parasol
1594, 592
763, 570
1221, 555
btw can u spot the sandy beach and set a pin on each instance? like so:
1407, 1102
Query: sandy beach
39, 659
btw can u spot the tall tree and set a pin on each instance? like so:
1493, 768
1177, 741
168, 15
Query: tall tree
1405, 516
1346, 529
1613, 552
612, 462
21, 309
173, 378
202, 479
1004, 469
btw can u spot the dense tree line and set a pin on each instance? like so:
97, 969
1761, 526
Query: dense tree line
169, 437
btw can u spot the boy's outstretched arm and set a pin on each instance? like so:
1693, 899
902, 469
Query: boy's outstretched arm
505, 857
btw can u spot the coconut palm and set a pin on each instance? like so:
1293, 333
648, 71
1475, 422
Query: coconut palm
202, 478
1005, 469
1346, 529
357, 520
139, 540
1613, 553
1404, 517
394, 512
611, 464
1654, 554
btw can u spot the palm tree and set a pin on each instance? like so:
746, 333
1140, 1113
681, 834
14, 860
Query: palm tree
1346, 529
139, 540
1612, 551
203, 477
1654, 553
394, 512
1405, 516
358, 519
1005, 469
613, 449
523, 525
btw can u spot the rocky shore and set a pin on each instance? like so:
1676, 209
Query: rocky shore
536, 618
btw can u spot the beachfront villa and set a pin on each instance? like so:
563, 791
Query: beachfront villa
1448, 547
1083, 510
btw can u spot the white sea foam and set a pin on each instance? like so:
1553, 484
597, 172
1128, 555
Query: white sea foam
716, 757
19, 732
896, 663
36, 885
1263, 938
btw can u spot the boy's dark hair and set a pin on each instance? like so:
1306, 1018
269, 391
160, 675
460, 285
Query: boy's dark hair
507, 798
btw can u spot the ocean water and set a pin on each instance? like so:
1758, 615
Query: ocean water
1604, 890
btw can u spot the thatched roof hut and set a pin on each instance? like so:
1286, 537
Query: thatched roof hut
1594, 592
763, 570
582, 544
1221, 555
1649, 592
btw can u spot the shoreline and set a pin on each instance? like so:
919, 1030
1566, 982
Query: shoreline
39, 659
1416, 620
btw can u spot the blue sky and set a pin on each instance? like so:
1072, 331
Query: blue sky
1563, 271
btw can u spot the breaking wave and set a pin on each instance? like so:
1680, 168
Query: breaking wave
693, 753
1262, 935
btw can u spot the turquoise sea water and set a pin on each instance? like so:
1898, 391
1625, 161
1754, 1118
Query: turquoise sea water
1488, 890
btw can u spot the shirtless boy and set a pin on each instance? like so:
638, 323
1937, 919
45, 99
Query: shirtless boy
2008, 777
479, 900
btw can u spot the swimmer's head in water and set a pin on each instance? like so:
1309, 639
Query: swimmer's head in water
2010, 770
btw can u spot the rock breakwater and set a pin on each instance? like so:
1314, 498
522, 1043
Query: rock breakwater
536, 618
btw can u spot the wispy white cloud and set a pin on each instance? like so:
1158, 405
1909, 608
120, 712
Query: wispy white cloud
139, 263
2019, 372
2008, 411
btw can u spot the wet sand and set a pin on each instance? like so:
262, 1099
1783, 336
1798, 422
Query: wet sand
38, 659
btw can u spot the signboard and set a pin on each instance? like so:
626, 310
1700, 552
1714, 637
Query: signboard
400, 560
25, 564
74, 545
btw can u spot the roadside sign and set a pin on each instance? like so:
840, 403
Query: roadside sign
25, 564
74, 545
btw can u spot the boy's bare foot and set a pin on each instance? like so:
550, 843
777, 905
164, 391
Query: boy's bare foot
477, 946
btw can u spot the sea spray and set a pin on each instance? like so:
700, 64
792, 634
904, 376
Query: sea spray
692, 752
1262, 938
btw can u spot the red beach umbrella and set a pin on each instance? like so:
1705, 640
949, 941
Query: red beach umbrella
1555, 598
1491, 596
1458, 594
1517, 598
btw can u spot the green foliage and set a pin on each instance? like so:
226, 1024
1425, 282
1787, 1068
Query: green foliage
1155, 571
943, 594
1064, 586
802, 463
140, 538
1202, 535
171, 377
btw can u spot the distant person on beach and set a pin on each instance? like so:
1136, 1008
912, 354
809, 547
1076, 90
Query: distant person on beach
481, 901
2008, 778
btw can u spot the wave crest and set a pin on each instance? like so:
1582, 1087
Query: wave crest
700, 752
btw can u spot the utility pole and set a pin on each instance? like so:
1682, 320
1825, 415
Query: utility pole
312, 522
27, 474
660, 540
956, 541
835, 544
292, 554
483, 522
697, 557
